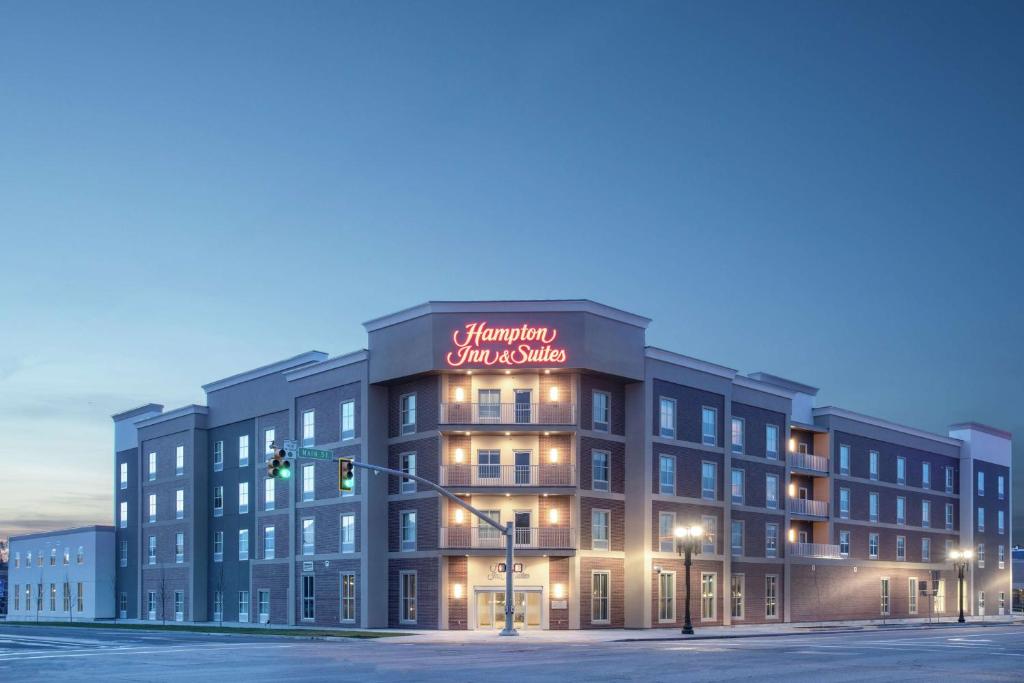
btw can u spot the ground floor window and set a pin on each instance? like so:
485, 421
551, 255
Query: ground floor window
708, 611
151, 606
981, 603
912, 596
243, 607
179, 605
940, 597
308, 598
737, 581
218, 606
263, 604
80, 600
123, 606
667, 596
885, 596
348, 597
67, 597
407, 597
53, 597
771, 596
1002, 603
17, 597
599, 585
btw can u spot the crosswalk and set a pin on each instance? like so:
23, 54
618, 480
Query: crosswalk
18, 647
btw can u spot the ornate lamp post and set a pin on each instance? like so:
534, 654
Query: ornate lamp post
687, 538
961, 559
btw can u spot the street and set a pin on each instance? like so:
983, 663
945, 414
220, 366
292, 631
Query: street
969, 653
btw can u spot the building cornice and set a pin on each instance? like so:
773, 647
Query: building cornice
674, 358
979, 427
514, 306
273, 368
764, 387
353, 358
796, 387
191, 409
134, 412
885, 424
98, 528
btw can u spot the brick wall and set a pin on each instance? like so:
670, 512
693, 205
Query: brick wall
558, 572
689, 462
428, 512
327, 591
428, 583
427, 408
686, 514
427, 452
272, 577
617, 410
458, 610
616, 463
617, 532
616, 607
689, 402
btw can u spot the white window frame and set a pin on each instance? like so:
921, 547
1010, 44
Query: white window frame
347, 528
771, 491
269, 442
901, 470
926, 549
901, 510
350, 417
595, 542
243, 497
269, 542
152, 466
708, 600
179, 547
873, 465
243, 607
152, 507
771, 596
218, 501
243, 450
347, 598
670, 488
179, 460
218, 456
308, 537
949, 516
269, 494
873, 506
844, 540
669, 537
844, 458
600, 603
712, 438
901, 548
122, 514
738, 447
308, 428
742, 497
873, 538
243, 545
737, 551
737, 614
308, 482
771, 539
124, 476
844, 503
408, 613
151, 551
179, 504
407, 463
218, 542
408, 520
600, 484
407, 413
885, 596
926, 475
666, 598
704, 491
926, 513
710, 540
981, 484
601, 425
666, 417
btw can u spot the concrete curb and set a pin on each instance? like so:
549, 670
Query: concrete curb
815, 632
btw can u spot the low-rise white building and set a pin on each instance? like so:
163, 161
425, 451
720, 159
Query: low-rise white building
65, 575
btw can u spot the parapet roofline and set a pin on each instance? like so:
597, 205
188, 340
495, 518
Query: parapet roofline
885, 424
191, 409
979, 427
133, 412
271, 369
689, 362
797, 387
329, 364
509, 306
101, 528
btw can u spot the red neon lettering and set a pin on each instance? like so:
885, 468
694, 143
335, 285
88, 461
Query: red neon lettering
475, 345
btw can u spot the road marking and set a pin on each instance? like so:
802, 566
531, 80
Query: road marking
16, 657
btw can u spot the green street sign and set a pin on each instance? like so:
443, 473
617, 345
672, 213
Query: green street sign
316, 454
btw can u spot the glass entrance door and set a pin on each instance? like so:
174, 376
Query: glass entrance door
490, 609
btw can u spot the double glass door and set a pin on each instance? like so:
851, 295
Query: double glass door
490, 609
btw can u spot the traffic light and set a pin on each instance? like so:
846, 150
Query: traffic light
279, 466
346, 475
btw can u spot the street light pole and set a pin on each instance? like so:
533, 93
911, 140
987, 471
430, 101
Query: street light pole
686, 541
961, 558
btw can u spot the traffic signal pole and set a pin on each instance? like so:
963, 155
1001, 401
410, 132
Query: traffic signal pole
508, 530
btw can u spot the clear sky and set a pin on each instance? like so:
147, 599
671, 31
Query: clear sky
833, 192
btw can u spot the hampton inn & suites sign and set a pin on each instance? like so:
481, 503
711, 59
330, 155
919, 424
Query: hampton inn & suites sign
477, 343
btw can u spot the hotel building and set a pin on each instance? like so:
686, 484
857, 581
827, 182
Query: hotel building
557, 416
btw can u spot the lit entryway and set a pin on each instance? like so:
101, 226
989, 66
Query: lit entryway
490, 609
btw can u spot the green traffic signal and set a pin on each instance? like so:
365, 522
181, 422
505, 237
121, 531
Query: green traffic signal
346, 475
285, 471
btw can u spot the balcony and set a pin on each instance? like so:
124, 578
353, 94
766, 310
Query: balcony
526, 538
808, 507
805, 462
822, 551
509, 476
508, 413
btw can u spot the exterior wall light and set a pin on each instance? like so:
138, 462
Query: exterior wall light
553, 515
792, 490
460, 394
553, 455
558, 591
459, 516
553, 393
460, 455
792, 535
792, 445
457, 591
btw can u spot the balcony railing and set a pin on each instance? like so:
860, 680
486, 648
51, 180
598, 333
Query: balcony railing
551, 537
508, 413
558, 474
806, 506
811, 463
824, 551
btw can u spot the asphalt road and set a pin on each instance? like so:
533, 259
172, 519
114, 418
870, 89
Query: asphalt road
970, 653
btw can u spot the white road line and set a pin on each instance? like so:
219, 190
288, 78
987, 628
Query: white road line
140, 651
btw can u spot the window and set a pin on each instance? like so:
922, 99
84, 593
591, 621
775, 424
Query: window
1000, 522
885, 596
348, 420
243, 450
901, 470
309, 428
179, 605
269, 449
66, 557
408, 413
179, 547
269, 494
348, 533
912, 596
738, 489
17, 560
737, 434
151, 605
949, 480
263, 606
981, 519
901, 510
771, 442
844, 459
601, 411
771, 491
124, 475
981, 603
407, 597
599, 523
218, 456
926, 549
873, 506
243, 544
844, 503
308, 536
666, 531
218, 501
308, 482
179, 461
243, 607
771, 540
901, 548
708, 480
53, 597
1000, 487
17, 597
152, 550
771, 596
709, 426
269, 543
707, 596
926, 514
710, 525
667, 474
243, 497
926, 475
599, 588
152, 507
981, 484
408, 530
600, 467
844, 543
940, 597
736, 595
218, 546
737, 537
489, 405
179, 504
122, 515
873, 546
80, 556
1002, 603
666, 597
152, 466
873, 465
981, 555
1002, 557
949, 515
348, 597
124, 554
667, 419
408, 464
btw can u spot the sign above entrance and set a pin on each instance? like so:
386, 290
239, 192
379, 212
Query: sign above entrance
477, 343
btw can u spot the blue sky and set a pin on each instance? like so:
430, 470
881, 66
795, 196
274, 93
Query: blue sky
827, 191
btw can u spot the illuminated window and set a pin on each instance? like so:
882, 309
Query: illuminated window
348, 420
309, 428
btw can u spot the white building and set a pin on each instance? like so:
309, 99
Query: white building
63, 575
